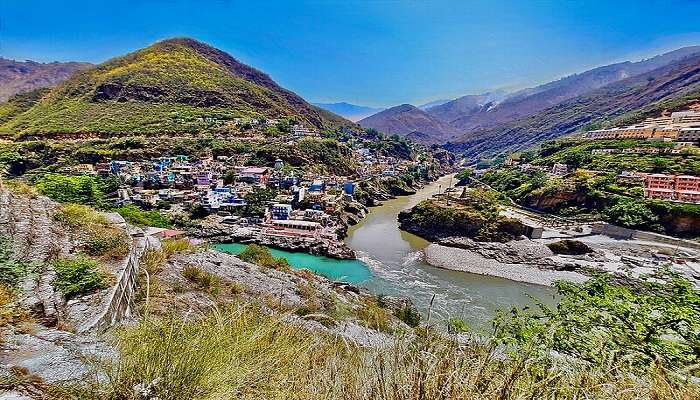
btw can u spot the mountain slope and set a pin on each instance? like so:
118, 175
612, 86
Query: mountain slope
409, 121
352, 112
674, 84
24, 76
465, 106
434, 103
533, 100
177, 85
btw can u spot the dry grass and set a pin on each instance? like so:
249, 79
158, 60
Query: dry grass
242, 353
11, 312
21, 188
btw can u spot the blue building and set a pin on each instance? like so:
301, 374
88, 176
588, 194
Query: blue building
281, 211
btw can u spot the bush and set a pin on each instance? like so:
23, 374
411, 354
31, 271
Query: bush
107, 241
409, 315
632, 214
375, 317
204, 280
81, 189
457, 326
137, 216
614, 326
78, 215
11, 270
78, 276
262, 256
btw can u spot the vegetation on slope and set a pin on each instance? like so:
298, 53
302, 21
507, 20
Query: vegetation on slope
593, 190
173, 86
476, 215
610, 342
654, 89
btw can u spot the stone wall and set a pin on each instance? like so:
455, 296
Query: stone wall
121, 297
604, 228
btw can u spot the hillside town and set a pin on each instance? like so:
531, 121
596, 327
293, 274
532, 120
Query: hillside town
277, 205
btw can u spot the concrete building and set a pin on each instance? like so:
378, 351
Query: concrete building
662, 128
684, 188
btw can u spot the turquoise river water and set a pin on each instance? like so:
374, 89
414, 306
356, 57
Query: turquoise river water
390, 262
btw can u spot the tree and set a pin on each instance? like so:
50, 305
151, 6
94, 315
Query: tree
83, 189
632, 214
262, 256
256, 201
613, 325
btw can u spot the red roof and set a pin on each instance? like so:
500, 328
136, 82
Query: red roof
168, 233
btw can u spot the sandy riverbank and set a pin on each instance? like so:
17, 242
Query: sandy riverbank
457, 259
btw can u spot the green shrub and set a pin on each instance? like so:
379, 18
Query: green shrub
78, 276
632, 214
614, 326
11, 270
457, 326
78, 215
81, 189
107, 241
204, 280
262, 256
409, 315
375, 317
137, 216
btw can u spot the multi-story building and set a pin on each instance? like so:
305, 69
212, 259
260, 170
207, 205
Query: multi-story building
662, 128
301, 131
685, 188
689, 135
281, 211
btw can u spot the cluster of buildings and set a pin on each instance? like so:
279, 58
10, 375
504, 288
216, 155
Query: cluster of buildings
682, 126
678, 148
681, 188
306, 204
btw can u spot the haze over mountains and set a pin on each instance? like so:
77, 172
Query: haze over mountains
182, 85
494, 115
24, 76
350, 111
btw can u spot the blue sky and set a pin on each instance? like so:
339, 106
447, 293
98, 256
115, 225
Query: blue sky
376, 53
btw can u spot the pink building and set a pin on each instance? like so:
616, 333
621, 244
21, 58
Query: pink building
685, 188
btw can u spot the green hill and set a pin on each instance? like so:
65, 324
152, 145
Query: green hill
173, 86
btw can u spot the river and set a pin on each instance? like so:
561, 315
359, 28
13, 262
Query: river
390, 262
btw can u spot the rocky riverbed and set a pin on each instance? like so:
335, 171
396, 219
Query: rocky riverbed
465, 260
532, 261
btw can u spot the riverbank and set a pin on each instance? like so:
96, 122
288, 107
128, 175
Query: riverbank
370, 193
212, 229
457, 259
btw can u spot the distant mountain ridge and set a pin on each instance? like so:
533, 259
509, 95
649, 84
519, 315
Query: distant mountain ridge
411, 122
466, 106
670, 87
24, 76
434, 103
529, 101
352, 112
176, 85
498, 112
